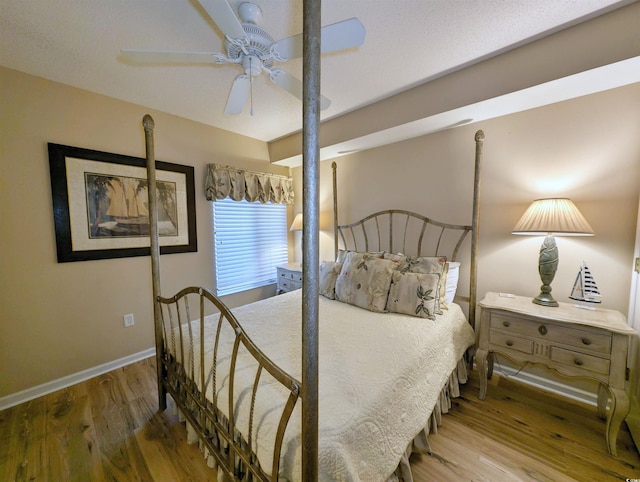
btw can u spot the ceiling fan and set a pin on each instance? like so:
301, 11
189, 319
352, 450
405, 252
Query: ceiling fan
252, 48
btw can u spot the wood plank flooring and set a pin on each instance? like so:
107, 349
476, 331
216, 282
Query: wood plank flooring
108, 429
521, 433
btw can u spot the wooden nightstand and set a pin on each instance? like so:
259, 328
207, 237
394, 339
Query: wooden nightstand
289, 278
572, 341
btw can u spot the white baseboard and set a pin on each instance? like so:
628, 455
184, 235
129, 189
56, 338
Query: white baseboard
548, 385
64, 382
49, 387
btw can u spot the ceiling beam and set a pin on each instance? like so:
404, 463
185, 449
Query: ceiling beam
602, 41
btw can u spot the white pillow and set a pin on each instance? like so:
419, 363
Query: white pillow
452, 281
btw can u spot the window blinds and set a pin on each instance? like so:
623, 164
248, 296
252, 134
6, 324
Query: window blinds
250, 240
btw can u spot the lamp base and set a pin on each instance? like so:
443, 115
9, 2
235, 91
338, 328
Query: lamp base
547, 266
545, 299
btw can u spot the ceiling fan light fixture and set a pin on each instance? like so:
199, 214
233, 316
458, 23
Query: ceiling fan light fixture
249, 13
251, 65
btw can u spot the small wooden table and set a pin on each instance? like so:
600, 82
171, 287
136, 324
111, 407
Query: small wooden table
289, 278
573, 342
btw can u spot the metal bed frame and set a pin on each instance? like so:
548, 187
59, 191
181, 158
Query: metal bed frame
389, 230
176, 376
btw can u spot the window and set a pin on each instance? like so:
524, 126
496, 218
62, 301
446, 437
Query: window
250, 240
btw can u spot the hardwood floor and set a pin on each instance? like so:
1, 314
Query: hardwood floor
521, 433
108, 428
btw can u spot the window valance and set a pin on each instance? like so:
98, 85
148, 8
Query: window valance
239, 184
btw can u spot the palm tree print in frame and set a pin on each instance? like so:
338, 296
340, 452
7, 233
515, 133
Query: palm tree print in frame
89, 223
118, 206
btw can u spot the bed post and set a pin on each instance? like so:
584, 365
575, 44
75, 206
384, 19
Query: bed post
310, 240
148, 124
334, 168
475, 223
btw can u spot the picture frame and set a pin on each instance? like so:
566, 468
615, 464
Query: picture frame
100, 202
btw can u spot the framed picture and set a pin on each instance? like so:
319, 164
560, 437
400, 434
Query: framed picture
100, 205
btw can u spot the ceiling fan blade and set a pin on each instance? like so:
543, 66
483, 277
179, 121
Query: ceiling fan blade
224, 17
239, 94
164, 56
342, 35
337, 36
293, 86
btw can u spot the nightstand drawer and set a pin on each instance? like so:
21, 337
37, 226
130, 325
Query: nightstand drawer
586, 340
291, 275
288, 285
505, 340
513, 324
289, 278
580, 360
594, 340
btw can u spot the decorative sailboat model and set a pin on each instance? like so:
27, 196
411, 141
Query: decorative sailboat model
585, 288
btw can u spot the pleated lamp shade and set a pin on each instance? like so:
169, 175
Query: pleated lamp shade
296, 225
557, 216
549, 217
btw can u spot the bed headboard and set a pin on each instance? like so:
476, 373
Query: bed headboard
399, 231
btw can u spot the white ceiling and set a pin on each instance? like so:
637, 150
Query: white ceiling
408, 42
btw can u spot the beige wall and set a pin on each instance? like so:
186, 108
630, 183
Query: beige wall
58, 319
587, 149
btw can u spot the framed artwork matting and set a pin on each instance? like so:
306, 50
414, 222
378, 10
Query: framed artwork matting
100, 205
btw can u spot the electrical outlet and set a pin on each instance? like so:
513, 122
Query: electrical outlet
128, 320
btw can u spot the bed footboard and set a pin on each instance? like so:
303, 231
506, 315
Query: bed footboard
213, 371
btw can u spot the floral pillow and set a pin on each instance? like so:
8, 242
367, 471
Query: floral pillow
399, 258
414, 294
429, 265
364, 281
342, 254
329, 272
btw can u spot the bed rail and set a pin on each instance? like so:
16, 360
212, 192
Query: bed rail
208, 385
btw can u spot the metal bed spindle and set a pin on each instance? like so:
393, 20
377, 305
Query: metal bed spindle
231, 449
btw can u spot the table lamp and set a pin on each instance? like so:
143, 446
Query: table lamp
549, 217
296, 225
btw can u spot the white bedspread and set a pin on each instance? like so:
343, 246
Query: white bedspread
380, 377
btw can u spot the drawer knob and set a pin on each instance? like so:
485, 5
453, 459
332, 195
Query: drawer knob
506, 323
509, 343
578, 362
542, 329
586, 341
